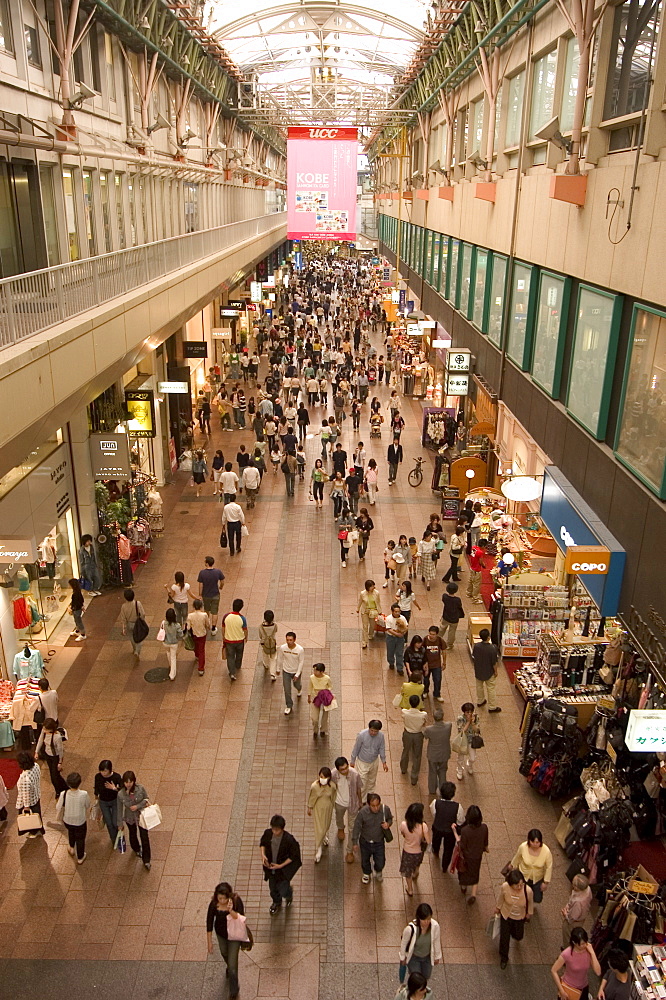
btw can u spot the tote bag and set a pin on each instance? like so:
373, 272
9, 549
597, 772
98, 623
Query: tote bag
150, 817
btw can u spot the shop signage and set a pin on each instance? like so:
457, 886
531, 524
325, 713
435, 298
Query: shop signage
109, 456
236, 304
173, 457
227, 313
402, 297
255, 291
572, 522
221, 333
458, 360
386, 274
251, 307
18, 550
441, 344
646, 888
174, 388
427, 324
270, 281
457, 385
195, 349
140, 405
587, 559
298, 260
646, 731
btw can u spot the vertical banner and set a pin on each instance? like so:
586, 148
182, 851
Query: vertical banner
321, 183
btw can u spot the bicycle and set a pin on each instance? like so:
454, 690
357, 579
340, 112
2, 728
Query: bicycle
415, 477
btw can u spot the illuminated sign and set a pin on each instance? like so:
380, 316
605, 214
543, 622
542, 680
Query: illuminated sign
109, 456
321, 183
457, 385
255, 291
141, 412
175, 388
586, 558
458, 360
646, 731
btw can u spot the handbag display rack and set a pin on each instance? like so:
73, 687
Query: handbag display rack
627, 915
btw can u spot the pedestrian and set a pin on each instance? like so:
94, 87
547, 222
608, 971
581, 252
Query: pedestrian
445, 812
178, 594
427, 558
472, 840
577, 908
396, 634
269, 651
535, 862
321, 800
234, 637
402, 558
416, 660
345, 525
74, 804
106, 787
89, 567
290, 661
369, 606
48, 697
358, 458
354, 483
476, 567
412, 686
415, 841
211, 582
456, 548
197, 625
348, 801
28, 791
300, 461
475, 526
132, 800
413, 721
226, 917
435, 648
515, 908
228, 483
76, 605
389, 562
318, 477
369, 748
276, 459
452, 612
421, 944
289, 468
371, 831
251, 484
233, 519
324, 436
130, 611
438, 751
370, 481
467, 725
338, 493
319, 703
485, 657
281, 859
416, 987
173, 633
51, 747
576, 961
616, 981
199, 470
405, 596
364, 525
394, 458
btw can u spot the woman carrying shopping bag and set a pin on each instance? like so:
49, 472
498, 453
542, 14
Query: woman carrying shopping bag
515, 907
132, 801
171, 633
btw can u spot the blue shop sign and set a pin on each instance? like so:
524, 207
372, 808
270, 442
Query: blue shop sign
572, 522
298, 260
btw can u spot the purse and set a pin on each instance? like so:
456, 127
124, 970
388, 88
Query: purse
150, 817
247, 945
342, 534
40, 714
140, 630
331, 707
476, 741
386, 834
223, 540
508, 867
493, 927
571, 991
161, 634
120, 844
28, 821
188, 640
245, 531
397, 700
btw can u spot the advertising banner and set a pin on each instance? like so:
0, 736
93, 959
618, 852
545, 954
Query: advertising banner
321, 183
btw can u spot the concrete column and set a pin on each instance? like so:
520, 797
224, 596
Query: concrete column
84, 483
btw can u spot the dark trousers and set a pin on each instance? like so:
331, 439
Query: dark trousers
234, 535
536, 889
452, 571
447, 842
234, 651
109, 811
436, 775
362, 545
142, 848
412, 745
200, 650
392, 471
372, 851
280, 888
229, 951
436, 675
509, 929
422, 965
318, 490
290, 479
57, 780
77, 838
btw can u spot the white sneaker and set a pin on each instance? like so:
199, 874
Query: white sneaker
460, 774
470, 769
385, 585
287, 711
298, 694
344, 564
325, 841
365, 879
80, 638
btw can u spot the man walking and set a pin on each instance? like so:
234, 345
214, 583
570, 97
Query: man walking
234, 636
348, 801
394, 458
369, 747
251, 482
485, 657
281, 858
413, 720
233, 519
210, 582
290, 661
289, 468
452, 612
368, 833
476, 565
439, 750
396, 633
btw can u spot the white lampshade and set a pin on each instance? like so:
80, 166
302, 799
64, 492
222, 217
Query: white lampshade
521, 488
470, 473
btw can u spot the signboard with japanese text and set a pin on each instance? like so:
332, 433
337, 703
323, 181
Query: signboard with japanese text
321, 183
458, 360
255, 291
457, 385
646, 731
109, 456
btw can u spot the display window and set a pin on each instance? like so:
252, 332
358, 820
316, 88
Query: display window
641, 438
479, 296
465, 278
593, 358
549, 331
454, 267
427, 269
443, 286
521, 313
436, 251
496, 303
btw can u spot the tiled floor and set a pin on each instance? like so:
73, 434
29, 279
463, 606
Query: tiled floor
220, 760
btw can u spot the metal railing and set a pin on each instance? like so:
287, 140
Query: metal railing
34, 301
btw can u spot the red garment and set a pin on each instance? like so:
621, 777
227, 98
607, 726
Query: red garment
475, 563
124, 547
22, 617
200, 650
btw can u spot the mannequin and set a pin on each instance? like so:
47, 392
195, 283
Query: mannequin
22, 580
28, 663
47, 551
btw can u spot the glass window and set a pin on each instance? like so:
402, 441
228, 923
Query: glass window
549, 327
593, 359
89, 211
570, 85
131, 197
9, 237
498, 116
453, 272
49, 213
478, 307
496, 305
32, 45
70, 213
633, 45
427, 273
105, 196
641, 441
477, 125
465, 278
110, 67
514, 102
120, 211
191, 207
543, 91
517, 344
444, 267
436, 249
6, 43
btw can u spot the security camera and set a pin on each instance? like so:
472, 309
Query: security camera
477, 160
84, 93
160, 122
551, 133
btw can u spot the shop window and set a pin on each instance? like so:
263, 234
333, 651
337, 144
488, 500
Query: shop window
593, 358
479, 304
70, 213
549, 329
49, 214
436, 250
641, 439
89, 211
496, 304
453, 272
32, 45
633, 45
109, 62
543, 91
444, 267
6, 42
520, 315
465, 278
514, 109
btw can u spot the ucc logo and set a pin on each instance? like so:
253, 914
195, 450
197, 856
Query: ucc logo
323, 133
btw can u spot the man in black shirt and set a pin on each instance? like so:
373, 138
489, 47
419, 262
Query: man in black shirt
485, 658
281, 858
339, 459
394, 458
452, 612
353, 482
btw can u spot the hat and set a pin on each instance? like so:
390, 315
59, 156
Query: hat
398, 558
352, 469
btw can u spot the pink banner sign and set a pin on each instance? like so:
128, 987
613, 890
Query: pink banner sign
321, 183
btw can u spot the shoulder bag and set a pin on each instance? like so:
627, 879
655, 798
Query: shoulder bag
188, 641
140, 630
40, 713
161, 634
386, 834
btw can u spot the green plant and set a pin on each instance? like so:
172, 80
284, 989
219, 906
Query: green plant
118, 511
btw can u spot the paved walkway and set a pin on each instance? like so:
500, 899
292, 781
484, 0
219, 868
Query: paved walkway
220, 760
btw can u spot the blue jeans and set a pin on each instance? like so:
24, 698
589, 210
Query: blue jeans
395, 647
109, 811
280, 889
422, 965
78, 621
536, 889
374, 850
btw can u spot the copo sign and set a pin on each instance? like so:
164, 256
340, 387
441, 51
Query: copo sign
587, 559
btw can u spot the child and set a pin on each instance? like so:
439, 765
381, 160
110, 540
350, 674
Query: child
300, 458
267, 631
388, 558
575, 913
414, 551
275, 458
468, 725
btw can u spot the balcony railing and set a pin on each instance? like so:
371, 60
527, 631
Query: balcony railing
37, 300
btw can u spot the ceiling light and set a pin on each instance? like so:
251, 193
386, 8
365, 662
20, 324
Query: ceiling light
521, 489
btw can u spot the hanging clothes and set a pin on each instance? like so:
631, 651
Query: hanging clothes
28, 666
20, 613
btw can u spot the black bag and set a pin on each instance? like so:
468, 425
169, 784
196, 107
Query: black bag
577, 867
40, 714
140, 630
223, 540
285, 467
476, 741
558, 719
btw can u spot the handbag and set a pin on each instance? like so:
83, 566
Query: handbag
150, 817
397, 700
508, 867
247, 945
353, 535
237, 929
161, 634
342, 534
459, 743
188, 640
40, 714
386, 834
423, 845
476, 741
493, 927
28, 821
120, 844
245, 531
140, 630
330, 708
571, 992
457, 861
223, 540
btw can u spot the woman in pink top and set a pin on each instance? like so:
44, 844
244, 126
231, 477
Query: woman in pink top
415, 839
576, 960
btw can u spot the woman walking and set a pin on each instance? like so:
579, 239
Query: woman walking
50, 745
369, 606
421, 944
217, 470
74, 804
319, 681
416, 988
129, 612
28, 791
370, 481
132, 799
338, 493
199, 470
515, 907
76, 606
198, 624
415, 841
405, 596
345, 524
467, 725
226, 917
179, 593
318, 477
173, 633
364, 525
323, 793
267, 632
427, 558
535, 862
457, 544
402, 558
107, 785
576, 961
472, 840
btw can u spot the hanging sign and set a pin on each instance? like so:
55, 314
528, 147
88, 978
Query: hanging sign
18, 550
140, 405
457, 385
587, 559
321, 183
109, 456
173, 388
195, 349
255, 291
646, 730
458, 360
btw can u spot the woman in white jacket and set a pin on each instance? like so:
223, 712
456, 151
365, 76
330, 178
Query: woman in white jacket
421, 945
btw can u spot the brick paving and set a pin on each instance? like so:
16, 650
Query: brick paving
220, 759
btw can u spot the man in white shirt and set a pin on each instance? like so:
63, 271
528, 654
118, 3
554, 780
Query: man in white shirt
348, 800
232, 519
229, 483
396, 633
290, 661
413, 720
74, 804
251, 483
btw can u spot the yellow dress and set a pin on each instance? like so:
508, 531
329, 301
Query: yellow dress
316, 685
321, 801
